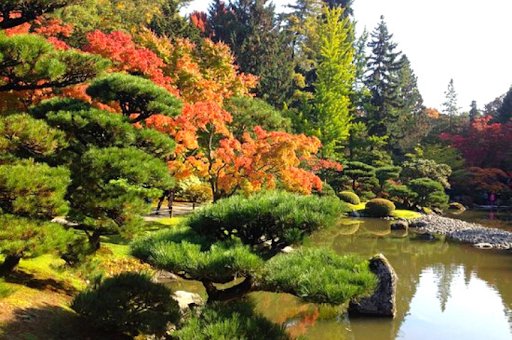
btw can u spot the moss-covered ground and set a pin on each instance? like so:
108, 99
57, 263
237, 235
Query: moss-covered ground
34, 299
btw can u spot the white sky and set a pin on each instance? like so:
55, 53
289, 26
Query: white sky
467, 40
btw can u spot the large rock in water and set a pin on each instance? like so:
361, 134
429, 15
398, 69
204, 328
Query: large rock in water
383, 300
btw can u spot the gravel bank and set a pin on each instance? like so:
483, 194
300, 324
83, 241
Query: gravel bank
476, 234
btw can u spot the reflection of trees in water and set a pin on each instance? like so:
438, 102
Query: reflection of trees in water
444, 275
410, 258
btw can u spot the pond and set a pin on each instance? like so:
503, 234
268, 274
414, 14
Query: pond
444, 291
496, 219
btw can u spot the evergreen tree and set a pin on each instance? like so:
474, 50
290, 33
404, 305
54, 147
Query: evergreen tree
253, 33
330, 117
171, 23
403, 134
504, 112
450, 106
474, 112
15, 12
382, 80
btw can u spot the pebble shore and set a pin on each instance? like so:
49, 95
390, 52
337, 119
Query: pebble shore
457, 230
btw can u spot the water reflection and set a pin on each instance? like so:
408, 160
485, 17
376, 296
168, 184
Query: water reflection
445, 291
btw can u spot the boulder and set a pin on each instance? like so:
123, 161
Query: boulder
425, 237
187, 300
354, 214
418, 224
383, 301
483, 245
287, 249
163, 276
400, 225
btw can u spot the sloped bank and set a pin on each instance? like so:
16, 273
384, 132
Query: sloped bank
460, 231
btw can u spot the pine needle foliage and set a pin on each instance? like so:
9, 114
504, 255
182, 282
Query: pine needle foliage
273, 215
319, 275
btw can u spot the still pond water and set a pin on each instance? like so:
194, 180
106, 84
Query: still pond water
444, 291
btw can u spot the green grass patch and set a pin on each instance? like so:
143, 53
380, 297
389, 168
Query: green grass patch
6, 289
51, 267
407, 214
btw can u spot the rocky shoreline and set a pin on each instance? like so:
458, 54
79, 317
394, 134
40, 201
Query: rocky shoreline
460, 231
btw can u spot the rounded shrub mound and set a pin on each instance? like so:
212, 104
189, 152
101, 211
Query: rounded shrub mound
128, 303
379, 207
349, 197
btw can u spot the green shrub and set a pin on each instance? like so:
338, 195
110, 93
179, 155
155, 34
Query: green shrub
349, 197
267, 216
327, 190
230, 321
129, 303
319, 275
429, 193
366, 195
401, 194
379, 207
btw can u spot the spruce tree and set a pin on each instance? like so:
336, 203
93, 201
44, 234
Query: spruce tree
450, 106
253, 33
504, 112
474, 112
382, 80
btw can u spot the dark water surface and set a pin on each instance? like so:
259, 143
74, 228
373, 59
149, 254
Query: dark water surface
445, 290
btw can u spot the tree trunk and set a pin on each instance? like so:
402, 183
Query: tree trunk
94, 240
234, 292
10, 262
170, 201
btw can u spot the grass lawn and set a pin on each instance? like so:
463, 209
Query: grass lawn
407, 214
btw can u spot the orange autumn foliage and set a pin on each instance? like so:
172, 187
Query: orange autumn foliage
207, 149
204, 72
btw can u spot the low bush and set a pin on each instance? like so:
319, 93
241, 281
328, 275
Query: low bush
319, 276
349, 197
272, 215
379, 207
429, 193
129, 303
234, 320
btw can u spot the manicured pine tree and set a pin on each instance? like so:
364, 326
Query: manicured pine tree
31, 191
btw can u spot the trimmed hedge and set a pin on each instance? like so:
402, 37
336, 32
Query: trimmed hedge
349, 197
379, 207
